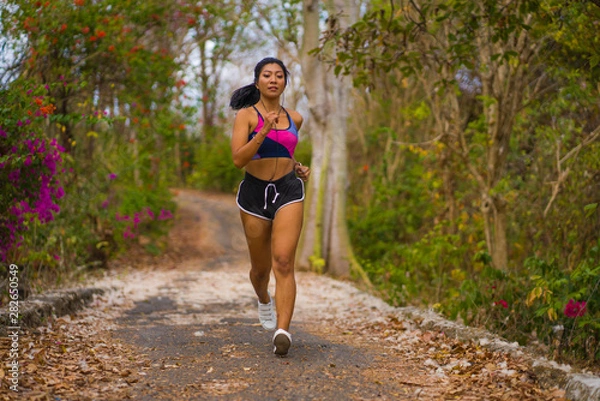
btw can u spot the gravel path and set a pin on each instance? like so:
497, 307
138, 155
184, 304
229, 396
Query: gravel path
185, 327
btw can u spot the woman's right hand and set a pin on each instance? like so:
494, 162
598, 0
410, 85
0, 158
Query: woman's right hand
271, 120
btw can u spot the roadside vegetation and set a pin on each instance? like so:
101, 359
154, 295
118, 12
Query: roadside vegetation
473, 145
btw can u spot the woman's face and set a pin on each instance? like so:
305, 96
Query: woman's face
271, 80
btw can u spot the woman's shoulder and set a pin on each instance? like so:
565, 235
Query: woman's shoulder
295, 116
248, 114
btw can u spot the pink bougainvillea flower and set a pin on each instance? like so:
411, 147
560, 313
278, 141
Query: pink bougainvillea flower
136, 220
150, 213
59, 192
118, 217
127, 233
165, 215
575, 309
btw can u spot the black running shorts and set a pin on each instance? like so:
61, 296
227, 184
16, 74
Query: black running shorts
263, 199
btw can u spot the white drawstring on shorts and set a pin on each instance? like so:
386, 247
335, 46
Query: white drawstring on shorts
267, 193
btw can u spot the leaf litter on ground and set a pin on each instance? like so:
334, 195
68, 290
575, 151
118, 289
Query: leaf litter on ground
75, 358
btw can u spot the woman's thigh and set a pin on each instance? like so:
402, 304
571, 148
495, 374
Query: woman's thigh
258, 237
285, 233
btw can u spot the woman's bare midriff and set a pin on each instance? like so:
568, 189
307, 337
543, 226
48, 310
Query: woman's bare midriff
270, 169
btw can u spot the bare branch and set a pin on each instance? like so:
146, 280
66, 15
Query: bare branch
429, 142
591, 138
596, 2
562, 175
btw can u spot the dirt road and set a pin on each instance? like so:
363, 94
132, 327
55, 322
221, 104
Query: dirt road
185, 327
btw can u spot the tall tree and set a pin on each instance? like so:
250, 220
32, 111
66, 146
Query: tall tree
325, 245
216, 31
458, 50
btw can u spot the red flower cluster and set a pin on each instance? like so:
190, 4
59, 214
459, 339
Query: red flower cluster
575, 309
49, 109
502, 303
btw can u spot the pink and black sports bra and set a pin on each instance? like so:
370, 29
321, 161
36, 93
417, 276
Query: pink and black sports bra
277, 143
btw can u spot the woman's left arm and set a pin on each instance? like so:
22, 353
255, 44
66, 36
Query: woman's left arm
303, 172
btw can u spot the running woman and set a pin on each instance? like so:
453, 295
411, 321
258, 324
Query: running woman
271, 195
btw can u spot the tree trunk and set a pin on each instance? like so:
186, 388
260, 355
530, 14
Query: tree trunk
325, 244
506, 83
494, 215
177, 157
135, 153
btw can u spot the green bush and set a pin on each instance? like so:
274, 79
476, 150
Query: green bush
31, 164
569, 300
213, 168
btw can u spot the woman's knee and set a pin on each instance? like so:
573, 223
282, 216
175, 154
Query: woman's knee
283, 264
259, 273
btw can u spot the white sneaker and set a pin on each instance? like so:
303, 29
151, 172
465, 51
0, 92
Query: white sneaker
282, 340
266, 315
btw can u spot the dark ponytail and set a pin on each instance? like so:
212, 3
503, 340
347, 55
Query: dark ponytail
249, 95
245, 96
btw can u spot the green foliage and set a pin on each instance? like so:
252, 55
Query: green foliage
140, 211
415, 212
303, 152
383, 38
91, 81
214, 168
553, 290
30, 164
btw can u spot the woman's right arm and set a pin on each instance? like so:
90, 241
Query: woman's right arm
243, 150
